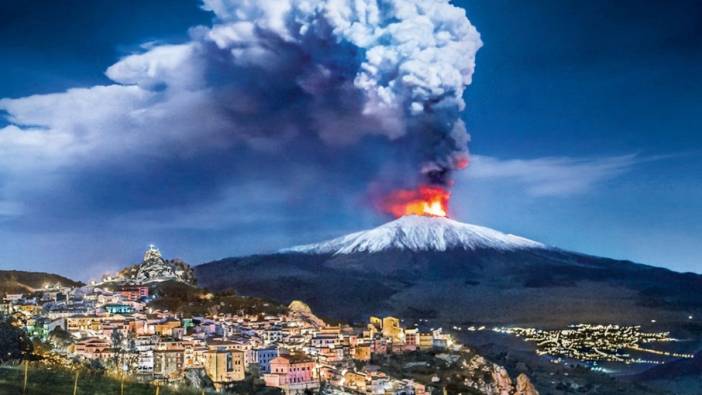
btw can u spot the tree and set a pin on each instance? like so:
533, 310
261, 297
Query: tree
117, 338
60, 337
14, 342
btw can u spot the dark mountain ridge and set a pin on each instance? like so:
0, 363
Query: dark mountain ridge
17, 281
530, 285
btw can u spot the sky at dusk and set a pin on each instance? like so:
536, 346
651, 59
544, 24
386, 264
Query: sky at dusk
584, 120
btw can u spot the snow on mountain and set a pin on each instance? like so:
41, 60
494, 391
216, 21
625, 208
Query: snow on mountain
418, 233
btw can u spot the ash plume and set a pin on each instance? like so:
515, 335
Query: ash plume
397, 68
322, 85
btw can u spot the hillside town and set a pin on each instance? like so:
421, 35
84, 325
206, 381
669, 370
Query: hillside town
113, 324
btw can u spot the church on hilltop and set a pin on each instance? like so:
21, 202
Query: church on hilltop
154, 268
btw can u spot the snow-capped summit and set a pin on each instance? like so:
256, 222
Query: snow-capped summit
419, 233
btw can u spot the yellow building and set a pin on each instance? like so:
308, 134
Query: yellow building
391, 328
356, 381
425, 340
375, 324
83, 323
362, 352
166, 328
224, 366
30, 309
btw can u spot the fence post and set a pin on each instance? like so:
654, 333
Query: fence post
75, 384
26, 368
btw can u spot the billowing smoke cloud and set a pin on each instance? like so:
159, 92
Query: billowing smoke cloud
395, 68
274, 88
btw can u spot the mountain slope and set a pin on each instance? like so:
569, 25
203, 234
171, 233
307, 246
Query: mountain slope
459, 273
15, 281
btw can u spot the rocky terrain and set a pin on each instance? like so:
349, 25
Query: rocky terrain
154, 268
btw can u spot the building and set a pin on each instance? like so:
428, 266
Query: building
133, 294
168, 364
118, 308
425, 340
145, 345
92, 347
166, 327
411, 339
263, 357
292, 373
224, 366
356, 381
84, 323
392, 328
13, 297
362, 352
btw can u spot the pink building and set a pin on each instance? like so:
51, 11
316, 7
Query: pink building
292, 373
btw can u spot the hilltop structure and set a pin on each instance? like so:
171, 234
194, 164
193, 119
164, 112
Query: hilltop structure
153, 269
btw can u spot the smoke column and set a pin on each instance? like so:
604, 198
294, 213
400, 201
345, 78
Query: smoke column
278, 81
405, 64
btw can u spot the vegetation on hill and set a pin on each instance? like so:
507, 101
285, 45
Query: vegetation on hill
182, 298
16, 281
45, 380
15, 343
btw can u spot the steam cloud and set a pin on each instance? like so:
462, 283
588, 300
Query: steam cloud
295, 80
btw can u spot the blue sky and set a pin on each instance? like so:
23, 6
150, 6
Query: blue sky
584, 119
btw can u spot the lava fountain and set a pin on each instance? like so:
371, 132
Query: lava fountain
426, 200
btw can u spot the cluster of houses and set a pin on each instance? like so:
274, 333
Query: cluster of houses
294, 351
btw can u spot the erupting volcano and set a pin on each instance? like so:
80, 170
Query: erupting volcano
430, 201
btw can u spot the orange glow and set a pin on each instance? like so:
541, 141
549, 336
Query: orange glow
426, 200
461, 163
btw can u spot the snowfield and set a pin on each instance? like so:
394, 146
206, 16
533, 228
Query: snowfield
417, 233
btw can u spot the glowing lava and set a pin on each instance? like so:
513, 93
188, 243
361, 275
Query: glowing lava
426, 200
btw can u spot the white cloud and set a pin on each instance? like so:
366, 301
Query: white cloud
551, 176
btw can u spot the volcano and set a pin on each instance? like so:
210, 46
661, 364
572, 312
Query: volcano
419, 233
435, 267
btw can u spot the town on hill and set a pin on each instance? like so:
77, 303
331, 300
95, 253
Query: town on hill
151, 323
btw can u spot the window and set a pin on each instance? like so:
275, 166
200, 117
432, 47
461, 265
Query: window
230, 361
